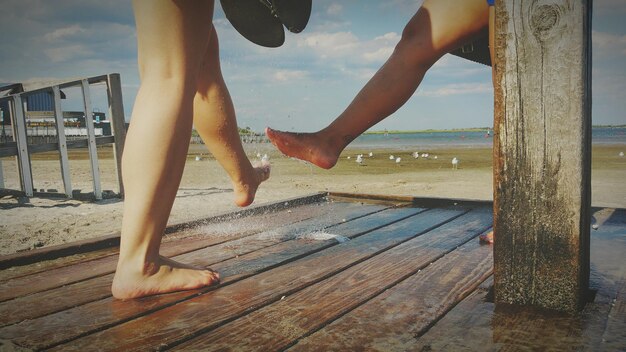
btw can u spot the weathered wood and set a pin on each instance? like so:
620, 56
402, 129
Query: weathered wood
91, 137
392, 320
260, 210
196, 251
19, 133
475, 324
118, 123
282, 323
467, 327
69, 274
542, 153
427, 202
225, 303
62, 143
1, 175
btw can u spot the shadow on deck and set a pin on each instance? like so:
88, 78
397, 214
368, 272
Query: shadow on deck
324, 272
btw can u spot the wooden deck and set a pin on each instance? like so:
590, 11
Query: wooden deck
325, 272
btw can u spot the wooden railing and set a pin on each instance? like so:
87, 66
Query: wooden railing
22, 150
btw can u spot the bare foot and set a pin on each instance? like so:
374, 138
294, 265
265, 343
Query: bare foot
246, 189
303, 146
486, 238
163, 276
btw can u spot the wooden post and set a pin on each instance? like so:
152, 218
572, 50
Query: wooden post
91, 140
118, 123
542, 152
1, 175
60, 128
19, 133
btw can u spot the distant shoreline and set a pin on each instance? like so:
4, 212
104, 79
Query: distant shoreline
468, 129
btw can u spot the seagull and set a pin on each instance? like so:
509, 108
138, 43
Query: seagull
416, 155
349, 157
455, 163
371, 154
265, 158
621, 154
359, 159
398, 160
198, 158
435, 157
391, 157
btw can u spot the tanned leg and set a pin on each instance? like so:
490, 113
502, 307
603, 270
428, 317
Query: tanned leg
172, 38
438, 27
214, 118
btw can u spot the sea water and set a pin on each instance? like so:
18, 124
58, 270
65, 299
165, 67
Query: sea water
445, 139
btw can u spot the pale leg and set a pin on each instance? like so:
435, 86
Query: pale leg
172, 38
215, 120
438, 27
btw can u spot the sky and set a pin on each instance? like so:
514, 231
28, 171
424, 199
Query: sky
301, 86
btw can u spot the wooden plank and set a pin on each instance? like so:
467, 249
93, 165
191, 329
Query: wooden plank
215, 306
614, 337
233, 269
476, 324
91, 137
118, 123
62, 142
53, 252
69, 274
426, 202
542, 150
23, 157
467, 327
281, 324
391, 320
38, 267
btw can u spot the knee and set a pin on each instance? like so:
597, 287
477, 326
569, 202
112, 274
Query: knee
416, 45
168, 80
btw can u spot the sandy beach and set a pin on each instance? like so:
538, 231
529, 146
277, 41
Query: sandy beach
28, 223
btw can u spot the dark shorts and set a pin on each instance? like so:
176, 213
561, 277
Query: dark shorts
491, 2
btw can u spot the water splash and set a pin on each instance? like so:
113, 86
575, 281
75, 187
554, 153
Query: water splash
322, 236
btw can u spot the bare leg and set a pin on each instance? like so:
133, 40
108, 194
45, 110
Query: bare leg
214, 118
172, 37
438, 27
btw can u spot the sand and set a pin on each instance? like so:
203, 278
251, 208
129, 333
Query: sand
206, 190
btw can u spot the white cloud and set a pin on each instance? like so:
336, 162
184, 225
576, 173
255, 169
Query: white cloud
345, 47
456, 89
334, 9
68, 52
61, 33
289, 75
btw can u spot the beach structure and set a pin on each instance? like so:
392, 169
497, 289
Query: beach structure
408, 273
20, 142
390, 274
542, 153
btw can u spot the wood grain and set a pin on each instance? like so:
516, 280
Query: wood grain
542, 153
279, 325
215, 307
202, 252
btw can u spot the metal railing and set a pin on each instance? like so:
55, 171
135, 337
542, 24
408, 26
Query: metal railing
22, 150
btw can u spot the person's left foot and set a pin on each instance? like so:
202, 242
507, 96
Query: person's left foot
486, 238
245, 191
